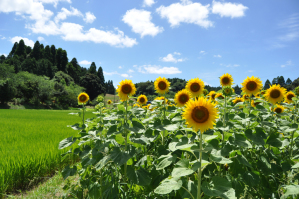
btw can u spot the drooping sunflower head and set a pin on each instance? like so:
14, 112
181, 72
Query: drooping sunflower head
227, 90
195, 87
109, 102
278, 109
253, 104
182, 97
100, 98
289, 96
161, 85
297, 90
125, 89
246, 97
83, 98
252, 85
142, 99
212, 95
226, 80
200, 114
237, 100
219, 96
275, 94
205, 92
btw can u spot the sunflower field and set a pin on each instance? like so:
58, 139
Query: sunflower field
197, 145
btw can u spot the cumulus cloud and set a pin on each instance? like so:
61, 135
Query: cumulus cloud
154, 69
131, 71
85, 62
232, 10
111, 73
219, 56
89, 17
148, 3
124, 75
171, 58
55, 2
288, 63
202, 52
66, 13
140, 21
27, 41
3, 37
186, 12
40, 39
231, 65
120, 67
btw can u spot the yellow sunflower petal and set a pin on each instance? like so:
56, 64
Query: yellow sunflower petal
182, 97
83, 98
142, 99
125, 89
252, 85
275, 94
289, 96
226, 80
195, 87
162, 85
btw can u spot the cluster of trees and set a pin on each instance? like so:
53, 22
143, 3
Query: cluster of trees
289, 84
49, 62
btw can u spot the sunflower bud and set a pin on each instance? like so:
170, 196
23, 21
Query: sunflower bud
227, 91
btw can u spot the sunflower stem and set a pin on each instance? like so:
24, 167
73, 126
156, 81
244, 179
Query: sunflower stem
125, 131
164, 120
199, 169
83, 114
224, 122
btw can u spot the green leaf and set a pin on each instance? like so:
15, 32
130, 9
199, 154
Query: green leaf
140, 176
219, 187
120, 157
251, 178
241, 140
102, 162
274, 140
290, 190
243, 160
110, 118
67, 142
171, 127
94, 191
167, 160
168, 185
67, 171
112, 129
220, 159
178, 172
295, 166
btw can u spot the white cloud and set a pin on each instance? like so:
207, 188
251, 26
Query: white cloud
219, 56
140, 21
27, 41
202, 52
177, 53
40, 39
231, 65
171, 58
3, 37
131, 71
186, 12
288, 63
55, 2
85, 62
66, 13
228, 9
153, 69
111, 73
250, 71
89, 17
124, 75
120, 67
291, 28
148, 3
3, 54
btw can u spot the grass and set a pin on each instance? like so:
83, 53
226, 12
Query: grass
29, 145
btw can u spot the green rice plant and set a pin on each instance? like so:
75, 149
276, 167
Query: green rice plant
29, 145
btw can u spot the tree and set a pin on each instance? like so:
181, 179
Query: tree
100, 74
2, 58
281, 81
58, 58
47, 53
28, 50
93, 69
92, 85
275, 80
64, 61
267, 84
289, 81
17, 63
238, 90
61, 76
12, 52
29, 65
53, 55
21, 49
36, 51
45, 67
7, 90
74, 70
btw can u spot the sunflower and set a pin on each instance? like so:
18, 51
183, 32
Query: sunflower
195, 87
161, 98
246, 97
161, 85
109, 102
297, 90
83, 98
289, 97
227, 90
136, 105
253, 104
219, 96
257, 95
278, 109
275, 94
126, 89
237, 100
142, 99
200, 114
226, 80
252, 85
212, 95
263, 92
182, 97
205, 92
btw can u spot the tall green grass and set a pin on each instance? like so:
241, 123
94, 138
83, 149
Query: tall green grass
29, 145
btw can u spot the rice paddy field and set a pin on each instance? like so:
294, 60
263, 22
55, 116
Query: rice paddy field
29, 145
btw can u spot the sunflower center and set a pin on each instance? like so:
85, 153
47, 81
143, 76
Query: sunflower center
183, 98
82, 98
256, 103
213, 96
162, 85
142, 100
278, 110
225, 80
195, 87
237, 101
200, 114
227, 91
275, 94
126, 89
290, 96
251, 86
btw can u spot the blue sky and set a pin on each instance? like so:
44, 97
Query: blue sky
144, 39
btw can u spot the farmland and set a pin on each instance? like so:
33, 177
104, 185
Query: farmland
29, 145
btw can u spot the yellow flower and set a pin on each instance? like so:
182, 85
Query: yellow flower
205, 92
212, 95
258, 95
161, 85
237, 100
109, 102
226, 80
275, 94
252, 85
182, 97
219, 95
253, 104
161, 98
200, 114
195, 87
289, 97
83, 98
126, 89
136, 105
246, 97
278, 109
142, 99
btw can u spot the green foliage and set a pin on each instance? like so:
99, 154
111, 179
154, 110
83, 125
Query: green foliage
93, 86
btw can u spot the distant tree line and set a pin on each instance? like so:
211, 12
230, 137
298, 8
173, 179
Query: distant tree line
49, 62
289, 84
